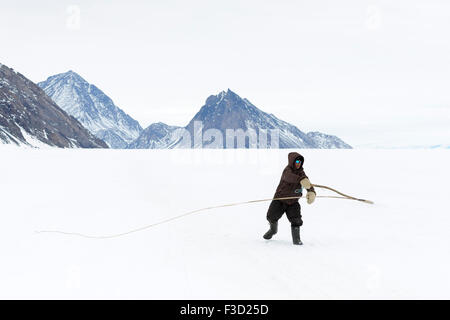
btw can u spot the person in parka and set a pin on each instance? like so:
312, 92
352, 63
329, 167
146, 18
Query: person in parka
292, 182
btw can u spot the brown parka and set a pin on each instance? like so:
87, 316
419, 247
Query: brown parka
289, 185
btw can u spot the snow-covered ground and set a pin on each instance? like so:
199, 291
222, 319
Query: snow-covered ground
397, 248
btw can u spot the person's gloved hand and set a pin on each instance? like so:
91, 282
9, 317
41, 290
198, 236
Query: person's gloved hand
310, 196
306, 183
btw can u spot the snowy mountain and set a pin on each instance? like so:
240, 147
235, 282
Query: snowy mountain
228, 111
156, 136
326, 141
29, 117
95, 110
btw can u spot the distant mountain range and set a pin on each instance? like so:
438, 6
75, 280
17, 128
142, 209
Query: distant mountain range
225, 121
29, 117
228, 111
402, 146
95, 110
157, 136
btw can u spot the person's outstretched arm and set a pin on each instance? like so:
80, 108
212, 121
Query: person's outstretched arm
311, 194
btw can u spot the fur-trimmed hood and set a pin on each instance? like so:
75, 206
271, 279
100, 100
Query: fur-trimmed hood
292, 156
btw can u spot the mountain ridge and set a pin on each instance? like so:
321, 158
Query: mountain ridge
92, 107
29, 117
228, 111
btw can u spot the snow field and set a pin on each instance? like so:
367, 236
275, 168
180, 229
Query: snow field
395, 249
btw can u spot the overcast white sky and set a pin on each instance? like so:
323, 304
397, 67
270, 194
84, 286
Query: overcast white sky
370, 72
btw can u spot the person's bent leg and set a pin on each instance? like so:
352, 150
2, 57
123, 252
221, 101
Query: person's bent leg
293, 213
273, 215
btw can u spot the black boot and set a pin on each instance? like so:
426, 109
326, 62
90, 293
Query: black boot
296, 235
273, 229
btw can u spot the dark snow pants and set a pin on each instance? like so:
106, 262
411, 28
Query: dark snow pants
277, 208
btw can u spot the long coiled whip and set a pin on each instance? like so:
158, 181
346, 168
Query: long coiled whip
344, 196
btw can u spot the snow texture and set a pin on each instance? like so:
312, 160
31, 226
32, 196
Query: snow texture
394, 249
